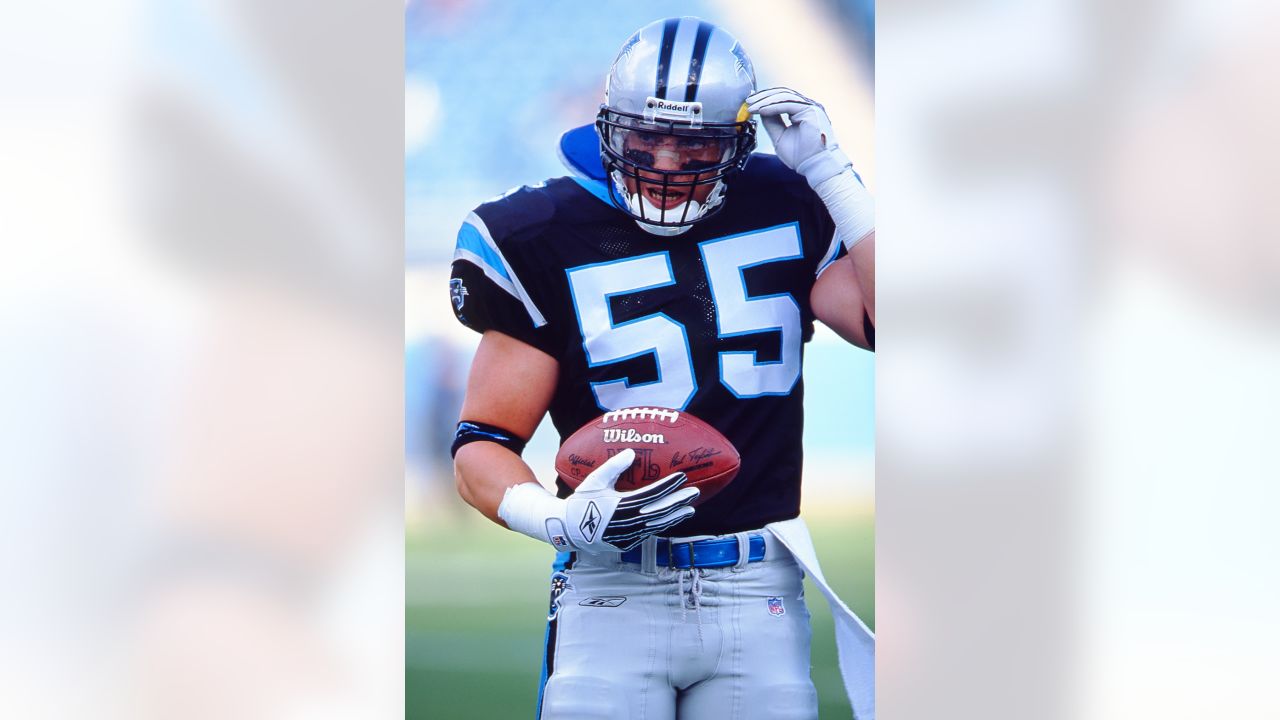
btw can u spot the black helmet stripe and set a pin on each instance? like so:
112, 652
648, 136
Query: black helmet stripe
664, 55
700, 43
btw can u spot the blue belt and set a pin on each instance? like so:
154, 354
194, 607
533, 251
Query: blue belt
701, 553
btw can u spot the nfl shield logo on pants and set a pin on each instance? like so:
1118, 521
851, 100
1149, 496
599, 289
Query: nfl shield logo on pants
775, 607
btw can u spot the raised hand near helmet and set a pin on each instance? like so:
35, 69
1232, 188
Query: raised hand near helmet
804, 141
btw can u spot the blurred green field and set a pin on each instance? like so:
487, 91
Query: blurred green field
475, 614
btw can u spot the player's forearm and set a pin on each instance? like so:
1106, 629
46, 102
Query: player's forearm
852, 208
854, 212
483, 471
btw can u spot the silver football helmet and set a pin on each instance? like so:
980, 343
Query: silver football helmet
674, 126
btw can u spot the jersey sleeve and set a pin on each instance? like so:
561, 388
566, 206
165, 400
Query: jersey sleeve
486, 289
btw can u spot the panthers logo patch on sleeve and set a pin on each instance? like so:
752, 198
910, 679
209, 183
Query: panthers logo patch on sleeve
457, 293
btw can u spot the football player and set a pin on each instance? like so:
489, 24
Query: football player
676, 269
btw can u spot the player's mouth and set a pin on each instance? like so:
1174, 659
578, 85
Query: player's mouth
665, 200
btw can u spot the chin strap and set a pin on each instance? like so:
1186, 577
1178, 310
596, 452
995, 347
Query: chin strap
663, 230
641, 206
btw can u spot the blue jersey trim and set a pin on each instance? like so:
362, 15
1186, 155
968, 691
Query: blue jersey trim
469, 239
833, 252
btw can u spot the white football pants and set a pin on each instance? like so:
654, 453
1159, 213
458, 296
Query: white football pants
629, 641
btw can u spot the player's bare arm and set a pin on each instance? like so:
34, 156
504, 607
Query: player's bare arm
839, 301
844, 297
510, 387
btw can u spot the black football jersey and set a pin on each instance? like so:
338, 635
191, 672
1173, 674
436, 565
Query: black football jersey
712, 321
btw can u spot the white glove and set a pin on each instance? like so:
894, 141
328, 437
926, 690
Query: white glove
596, 517
807, 145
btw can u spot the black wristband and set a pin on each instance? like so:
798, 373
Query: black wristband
469, 432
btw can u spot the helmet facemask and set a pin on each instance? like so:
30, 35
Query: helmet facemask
669, 174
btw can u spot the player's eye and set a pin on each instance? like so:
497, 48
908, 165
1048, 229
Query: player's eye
639, 157
697, 165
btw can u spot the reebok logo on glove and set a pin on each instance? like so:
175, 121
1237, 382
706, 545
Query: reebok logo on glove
597, 517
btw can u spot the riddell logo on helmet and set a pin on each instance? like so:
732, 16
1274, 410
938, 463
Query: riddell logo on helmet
657, 107
675, 107
629, 435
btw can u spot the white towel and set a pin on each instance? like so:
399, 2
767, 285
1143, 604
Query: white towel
855, 643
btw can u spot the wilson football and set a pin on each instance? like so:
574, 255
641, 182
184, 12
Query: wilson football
665, 441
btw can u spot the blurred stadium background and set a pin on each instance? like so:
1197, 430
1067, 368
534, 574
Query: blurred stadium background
489, 87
